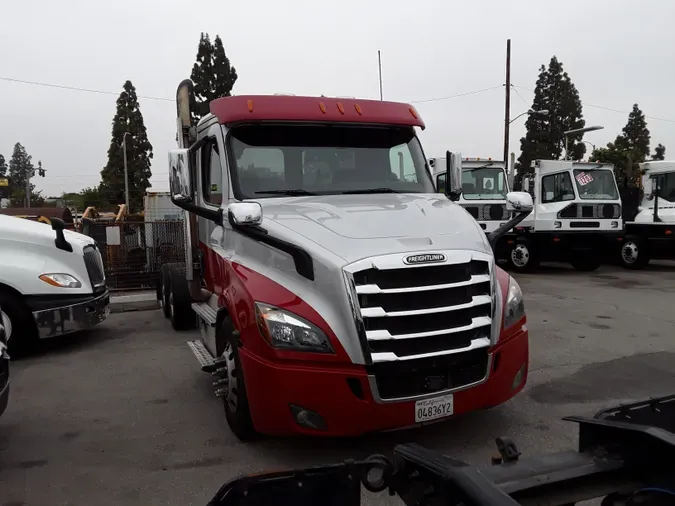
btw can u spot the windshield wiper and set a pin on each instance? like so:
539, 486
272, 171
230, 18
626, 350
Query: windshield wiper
291, 192
481, 167
369, 190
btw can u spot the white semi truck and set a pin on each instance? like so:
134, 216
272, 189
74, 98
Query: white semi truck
52, 281
651, 235
485, 183
576, 217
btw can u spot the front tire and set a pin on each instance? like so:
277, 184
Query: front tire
20, 329
633, 254
521, 256
237, 411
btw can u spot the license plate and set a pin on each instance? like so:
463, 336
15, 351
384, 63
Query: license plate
432, 409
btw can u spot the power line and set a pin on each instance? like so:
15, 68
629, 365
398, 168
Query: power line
521, 97
163, 99
457, 96
585, 104
75, 88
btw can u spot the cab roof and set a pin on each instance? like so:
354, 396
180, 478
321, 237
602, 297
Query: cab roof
246, 108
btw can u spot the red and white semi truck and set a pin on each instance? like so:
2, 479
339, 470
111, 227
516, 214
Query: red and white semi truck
336, 291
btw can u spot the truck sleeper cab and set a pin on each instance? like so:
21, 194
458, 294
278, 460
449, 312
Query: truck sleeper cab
576, 217
336, 292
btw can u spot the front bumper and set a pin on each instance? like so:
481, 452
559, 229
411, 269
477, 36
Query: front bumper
329, 392
66, 319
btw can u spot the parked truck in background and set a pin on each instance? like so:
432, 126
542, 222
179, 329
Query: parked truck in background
576, 217
485, 183
51, 282
651, 234
336, 292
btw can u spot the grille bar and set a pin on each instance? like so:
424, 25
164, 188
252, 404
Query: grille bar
476, 323
379, 312
374, 289
475, 344
94, 264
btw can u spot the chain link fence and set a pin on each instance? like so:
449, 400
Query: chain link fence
134, 251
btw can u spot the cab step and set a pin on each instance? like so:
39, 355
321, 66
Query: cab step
205, 359
206, 313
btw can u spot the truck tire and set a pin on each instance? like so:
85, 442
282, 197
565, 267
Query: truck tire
181, 314
237, 411
585, 261
634, 253
165, 290
20, 329
522, 256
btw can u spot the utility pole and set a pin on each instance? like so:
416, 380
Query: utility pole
126, 171
379, 64
507, 107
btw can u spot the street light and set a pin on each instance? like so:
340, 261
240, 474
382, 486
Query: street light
578, 131
590, 144
543, 112
126, 172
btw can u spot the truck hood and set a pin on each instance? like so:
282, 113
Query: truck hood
33, 232
357, 226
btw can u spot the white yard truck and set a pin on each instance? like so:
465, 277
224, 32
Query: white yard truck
52, 281
652, 234
576, 217
485, 184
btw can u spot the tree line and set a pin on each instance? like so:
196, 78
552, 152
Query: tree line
544, 139
213, 76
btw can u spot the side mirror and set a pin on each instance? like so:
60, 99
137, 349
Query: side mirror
519, 201
649, 187
525, 183
453, 175
245, 214
180, 182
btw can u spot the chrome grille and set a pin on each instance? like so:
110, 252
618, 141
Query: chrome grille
94, 265
487, 212
411, 312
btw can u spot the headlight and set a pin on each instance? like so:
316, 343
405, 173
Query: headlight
283, 329
61, 280
514, 309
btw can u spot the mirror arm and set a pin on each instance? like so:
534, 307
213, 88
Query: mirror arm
495, 235
208, 214
304, 265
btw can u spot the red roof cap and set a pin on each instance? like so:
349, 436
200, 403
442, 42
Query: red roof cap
244, 108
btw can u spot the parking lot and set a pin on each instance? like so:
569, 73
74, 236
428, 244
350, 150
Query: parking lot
123, 415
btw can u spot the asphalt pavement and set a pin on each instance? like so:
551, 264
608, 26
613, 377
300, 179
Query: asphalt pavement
123, 415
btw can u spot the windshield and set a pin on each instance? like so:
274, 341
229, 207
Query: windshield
483, 184
596, 184
666, 186
273, 160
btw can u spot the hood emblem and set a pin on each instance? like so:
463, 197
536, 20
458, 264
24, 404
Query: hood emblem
425, 258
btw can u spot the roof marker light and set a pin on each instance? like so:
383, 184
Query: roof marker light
357, 107
250, 106
340, 108
322, 107
412, 111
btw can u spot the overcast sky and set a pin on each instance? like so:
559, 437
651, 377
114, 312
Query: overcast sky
617, 52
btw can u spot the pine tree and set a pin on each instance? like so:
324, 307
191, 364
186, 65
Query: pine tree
555, 93
20, 168
212, 74
629, 149
128, 120
659, 152
3, 166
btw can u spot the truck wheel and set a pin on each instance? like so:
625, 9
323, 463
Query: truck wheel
166, 290
180, 305
521, 256
237, 410
20, 329
586, 262
633, 253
